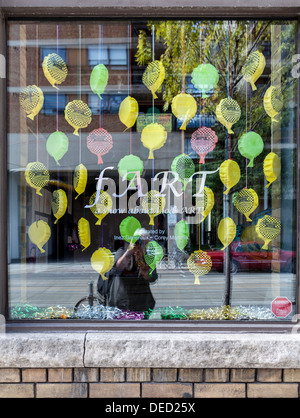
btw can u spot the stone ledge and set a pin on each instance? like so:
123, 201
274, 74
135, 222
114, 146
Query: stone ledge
180, 350
42, 350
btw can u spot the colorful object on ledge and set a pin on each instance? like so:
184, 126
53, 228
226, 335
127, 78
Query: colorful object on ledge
230, 174
59, 203
102, 261
250, 145
80, 179
130, 315
205, 203
154, 76
153, 255
39, 233
182, 234
184, 166
246, 202
228, 112
205, 78
31, 100
128, 112
153, 137
128, 164
253, 68
99, 79
84, 233
203, 141
37, 176
153, 204
78, 115
268, 228
55, 69
272, 167
199, 263
57, 145
102, 206
99, 142
273, 102
130, 229
184, 107
226, 231
173, 312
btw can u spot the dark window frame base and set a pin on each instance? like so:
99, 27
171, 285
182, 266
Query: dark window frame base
210, 326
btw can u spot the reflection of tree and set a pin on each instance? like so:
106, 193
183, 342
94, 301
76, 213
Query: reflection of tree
186, 44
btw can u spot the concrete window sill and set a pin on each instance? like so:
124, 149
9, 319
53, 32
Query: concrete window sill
155, 349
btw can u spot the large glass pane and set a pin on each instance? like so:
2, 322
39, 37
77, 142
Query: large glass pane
152, 170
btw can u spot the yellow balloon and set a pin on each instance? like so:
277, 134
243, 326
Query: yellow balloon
37, 176
39, 233
228, 112
272, 167
273, 102
154, 76
128, 111
226, 231
102, 206
153, 137
246, 202
249, 234
184, 107
268, 228
55, 69
31, 100
253, 68
230, 174
78, 115
59, 203
205, 203
109, 259
84, 233
80, 179
199, 263
153, 204
102, 261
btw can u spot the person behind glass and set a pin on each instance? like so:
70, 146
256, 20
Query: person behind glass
130, 277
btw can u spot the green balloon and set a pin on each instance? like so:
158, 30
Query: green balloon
129, 229
130, 163
153, 255
99, 79
57, 145
184, 166
205, 77
182, 234
250, 145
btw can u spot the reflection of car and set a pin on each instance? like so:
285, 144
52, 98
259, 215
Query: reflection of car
250, 256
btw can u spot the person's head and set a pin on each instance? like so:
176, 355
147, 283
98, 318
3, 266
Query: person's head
144, 236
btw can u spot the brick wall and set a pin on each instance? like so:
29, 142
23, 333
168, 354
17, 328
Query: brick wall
148, 383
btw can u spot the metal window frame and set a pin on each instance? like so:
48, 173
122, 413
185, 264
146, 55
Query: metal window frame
132, 10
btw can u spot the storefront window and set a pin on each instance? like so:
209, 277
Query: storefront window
152, 170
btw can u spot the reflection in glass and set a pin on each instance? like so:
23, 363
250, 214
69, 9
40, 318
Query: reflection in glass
231, 79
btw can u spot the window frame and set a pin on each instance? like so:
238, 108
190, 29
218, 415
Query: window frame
126, 12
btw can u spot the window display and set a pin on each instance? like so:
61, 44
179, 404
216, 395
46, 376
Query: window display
152, 169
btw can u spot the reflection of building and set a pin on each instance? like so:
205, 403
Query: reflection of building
81, 46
